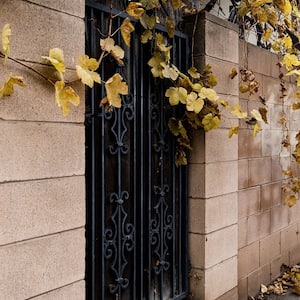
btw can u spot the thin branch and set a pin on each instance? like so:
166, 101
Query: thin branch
30, 68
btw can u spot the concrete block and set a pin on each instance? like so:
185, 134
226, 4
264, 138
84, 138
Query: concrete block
220, 245
41, 150
289, 238
64, 6
248, 259
271, 90
269, 248
231, 295
218, 147
295, 255
258, 277
259, 226
271, 142
243, 171
242, 232
260, 171
279, 217
277, 262
248, 146
271, 195
74, 291
196, 283
248, 202
33, 37
222, 68
211, 249
294, 213
221, 279
259, 60
197, 215
221, 178
38, 208
197, 181
276, 168
220, 212
243, 289
214, 36
36, 266
36, 101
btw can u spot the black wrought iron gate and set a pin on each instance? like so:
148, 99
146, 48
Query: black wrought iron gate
136, 196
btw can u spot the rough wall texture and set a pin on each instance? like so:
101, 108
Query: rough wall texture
42, 184
268, 229
240, 230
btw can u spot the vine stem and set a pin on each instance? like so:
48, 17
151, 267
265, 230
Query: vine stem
30, 68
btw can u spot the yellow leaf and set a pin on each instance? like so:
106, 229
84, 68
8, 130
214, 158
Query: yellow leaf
169, 72
146, 36
290, 200
244, 88
56, 58
176, 3
155, 64
162, 44
237, 111
114, 87
64, 96
170, 26
256, 114
148, 22
287, 172
267, 34
233, 73
6, 34
176, 95
150, 4
207, 93
233, 130
194, 103
85, 70
8, 87
297, 95
135, 10
209, 122
290, 60
287, 43
108, 45
194, 73
284, 6
296, 105
126, 29
256, 129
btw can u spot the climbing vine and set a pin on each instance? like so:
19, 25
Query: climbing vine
276, 22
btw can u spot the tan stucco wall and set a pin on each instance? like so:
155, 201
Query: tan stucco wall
42, 184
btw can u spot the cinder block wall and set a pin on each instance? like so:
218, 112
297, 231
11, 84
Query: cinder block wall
268, 229
240, 230
42, 184
213, 183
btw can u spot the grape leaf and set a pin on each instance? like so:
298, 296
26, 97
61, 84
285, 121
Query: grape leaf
237, 111
85, 70
64, 96
6, 34
290, 60
8, 87
176, 3
114, 86
155, 64
108, 45
134, 10
148, 22
170, 26
233, 130
194, 73
146, 36
194, 103
290, 200
207, 93
126, 29
256, 129
176, 95
56, 58
210, 122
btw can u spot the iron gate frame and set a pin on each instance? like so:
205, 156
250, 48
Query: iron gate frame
100, 239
